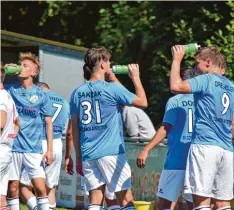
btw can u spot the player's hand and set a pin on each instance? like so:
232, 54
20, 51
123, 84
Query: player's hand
178, 52
134, 71
79, 168
68, 166
110, 77
141, 158
48, 156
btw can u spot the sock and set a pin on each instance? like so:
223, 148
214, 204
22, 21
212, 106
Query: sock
205, 207
114, 207
13, 203
42, 203
225, 208
32, 203
130, 207
95, 207
52, 206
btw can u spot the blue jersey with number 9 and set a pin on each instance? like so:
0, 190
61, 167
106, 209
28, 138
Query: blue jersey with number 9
98, 105
60, 113
214, 104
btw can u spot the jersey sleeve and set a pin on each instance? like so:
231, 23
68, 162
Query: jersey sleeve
121, 94
199, 84
170, 114
74, 103
46, 106
3, 101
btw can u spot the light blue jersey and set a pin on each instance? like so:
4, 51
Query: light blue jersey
214, 104
180, 114
60, 113
98, 106
32, 106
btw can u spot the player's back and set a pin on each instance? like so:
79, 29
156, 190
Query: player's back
214, 112
60, 114
180, 114
98, 105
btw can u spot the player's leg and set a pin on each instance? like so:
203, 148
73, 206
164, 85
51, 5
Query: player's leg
201, 170
95, 184
5, 166
13, 185
26, 189
170, 185
223, 190
53, 171
117, 173
26, 194
111, 200
189, 201
35, 168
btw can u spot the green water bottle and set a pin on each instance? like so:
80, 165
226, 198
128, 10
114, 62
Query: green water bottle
190, 48
11, 70
120, 69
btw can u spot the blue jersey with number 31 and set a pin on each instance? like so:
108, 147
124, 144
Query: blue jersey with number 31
98, 106
214, 104
60, 113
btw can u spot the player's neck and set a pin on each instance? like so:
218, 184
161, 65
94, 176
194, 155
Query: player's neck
1, 86
27, 83
96, 76
217, 71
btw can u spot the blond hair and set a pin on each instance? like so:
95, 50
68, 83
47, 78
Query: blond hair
31, 57
217, 58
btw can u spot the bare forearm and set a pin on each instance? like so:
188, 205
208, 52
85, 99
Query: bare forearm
157, 139
175, 78
3, 118
17, 126
139, 90
76, 143
49, 134
69, 145
76, 136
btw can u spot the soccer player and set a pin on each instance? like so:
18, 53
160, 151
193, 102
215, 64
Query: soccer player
9, 127
209, 170
33, 107
177, 126
60, 116
96, 109
110, 197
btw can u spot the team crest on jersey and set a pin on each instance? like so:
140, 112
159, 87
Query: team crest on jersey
33, 99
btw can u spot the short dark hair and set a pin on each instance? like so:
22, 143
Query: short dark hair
42, 85
3, 74
92, 56
188, 73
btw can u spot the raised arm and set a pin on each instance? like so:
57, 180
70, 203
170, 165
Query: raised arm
177, 85
140, 100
